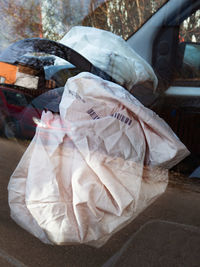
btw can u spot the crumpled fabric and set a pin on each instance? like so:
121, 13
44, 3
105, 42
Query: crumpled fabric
91, 169
110, 53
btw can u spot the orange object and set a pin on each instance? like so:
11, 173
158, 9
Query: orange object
8, 72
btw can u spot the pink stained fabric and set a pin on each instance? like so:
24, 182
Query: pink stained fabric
95, 166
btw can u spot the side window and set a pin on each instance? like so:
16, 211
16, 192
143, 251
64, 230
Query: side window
189, 49
190, 28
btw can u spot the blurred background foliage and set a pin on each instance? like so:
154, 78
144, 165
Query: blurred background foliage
53, 18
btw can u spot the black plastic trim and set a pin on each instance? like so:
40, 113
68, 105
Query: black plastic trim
16, 51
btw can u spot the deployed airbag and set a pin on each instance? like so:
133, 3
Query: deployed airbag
94, 167
110, 53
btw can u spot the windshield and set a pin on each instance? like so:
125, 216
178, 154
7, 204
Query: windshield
52, 19
99, 144
121, 17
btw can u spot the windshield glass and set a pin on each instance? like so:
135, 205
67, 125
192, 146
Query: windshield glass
99, 144
52, 19
121, 17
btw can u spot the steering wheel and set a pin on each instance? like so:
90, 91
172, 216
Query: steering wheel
16, 51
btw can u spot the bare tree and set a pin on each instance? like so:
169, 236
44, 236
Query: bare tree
189, 30
59, 16
53, 18
22, 19
122, 17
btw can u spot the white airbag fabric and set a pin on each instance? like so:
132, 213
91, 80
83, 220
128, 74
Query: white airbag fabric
95, 167
110, 53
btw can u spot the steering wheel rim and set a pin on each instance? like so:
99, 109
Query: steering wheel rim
14, 53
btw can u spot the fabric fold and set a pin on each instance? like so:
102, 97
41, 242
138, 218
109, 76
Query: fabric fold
95, 166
